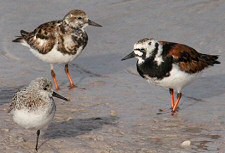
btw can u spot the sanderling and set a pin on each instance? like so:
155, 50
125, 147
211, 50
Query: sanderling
33, 107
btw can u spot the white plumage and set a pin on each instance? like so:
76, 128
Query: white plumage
33, 107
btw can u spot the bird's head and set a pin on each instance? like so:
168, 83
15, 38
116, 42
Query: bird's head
144, 49
78, 19
44, 87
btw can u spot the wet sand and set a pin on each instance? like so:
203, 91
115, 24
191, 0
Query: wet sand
113, 110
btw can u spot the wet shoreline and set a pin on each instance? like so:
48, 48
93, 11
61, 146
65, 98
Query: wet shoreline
113, 110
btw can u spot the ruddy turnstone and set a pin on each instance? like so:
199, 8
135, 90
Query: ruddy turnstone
59, 42
170, 65
33, 107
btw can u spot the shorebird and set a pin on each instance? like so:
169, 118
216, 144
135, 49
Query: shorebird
170, 65
59, 42
33, 107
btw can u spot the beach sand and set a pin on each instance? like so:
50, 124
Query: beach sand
114, 110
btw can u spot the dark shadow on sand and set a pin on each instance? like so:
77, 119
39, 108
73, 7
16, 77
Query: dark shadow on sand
75, 127
99, 65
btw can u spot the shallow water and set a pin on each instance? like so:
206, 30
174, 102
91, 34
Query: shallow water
114, 110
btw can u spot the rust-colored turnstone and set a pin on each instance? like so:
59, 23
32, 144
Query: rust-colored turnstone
170, 65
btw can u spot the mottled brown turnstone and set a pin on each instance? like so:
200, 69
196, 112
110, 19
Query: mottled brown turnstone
59, 42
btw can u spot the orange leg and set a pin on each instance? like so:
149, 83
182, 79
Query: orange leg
172, 97
179, 95
72, 85
54, 79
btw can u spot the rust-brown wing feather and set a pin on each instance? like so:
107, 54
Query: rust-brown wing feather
43, 38
188, 59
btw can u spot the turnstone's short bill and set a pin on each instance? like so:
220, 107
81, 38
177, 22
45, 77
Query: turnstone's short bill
33, 107
59, 42
170, 65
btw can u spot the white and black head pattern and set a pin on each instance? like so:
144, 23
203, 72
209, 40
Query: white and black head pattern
151, 63
146, 49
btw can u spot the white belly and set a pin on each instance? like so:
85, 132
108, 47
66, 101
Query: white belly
34, 119
54, 56
177, 79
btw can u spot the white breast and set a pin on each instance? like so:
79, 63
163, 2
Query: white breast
177, 79
55, 56
34, 119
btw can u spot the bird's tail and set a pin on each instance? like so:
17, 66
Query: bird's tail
21, 38
210, 59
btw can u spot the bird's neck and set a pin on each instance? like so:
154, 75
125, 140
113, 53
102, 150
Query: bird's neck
152, 68
68, 28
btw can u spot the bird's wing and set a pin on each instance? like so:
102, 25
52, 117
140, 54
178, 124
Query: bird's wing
43, 38
25, 98
188, 59
13, 104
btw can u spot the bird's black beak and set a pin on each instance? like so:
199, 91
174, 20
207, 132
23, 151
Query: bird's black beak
131, 55
93, 23
59, 96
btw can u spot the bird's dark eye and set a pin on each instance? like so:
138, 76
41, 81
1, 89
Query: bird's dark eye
46, 87
150, 43
79, 18
142, 49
